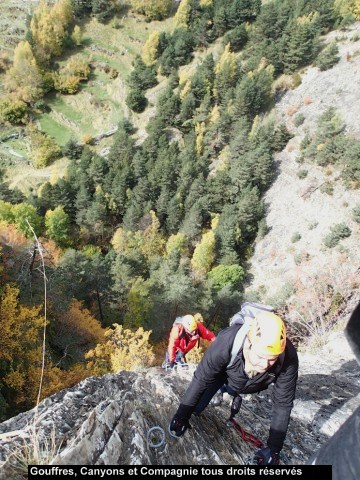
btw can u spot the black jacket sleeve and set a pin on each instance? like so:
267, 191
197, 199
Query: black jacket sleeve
283, 395
211, 369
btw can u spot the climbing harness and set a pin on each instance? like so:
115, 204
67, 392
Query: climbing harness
156, 437
248, 437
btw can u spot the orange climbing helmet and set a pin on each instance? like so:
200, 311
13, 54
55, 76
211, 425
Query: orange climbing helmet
268, 334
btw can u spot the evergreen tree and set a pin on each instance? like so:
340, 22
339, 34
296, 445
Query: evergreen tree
142, 77
228, 235
103, 9
136, 100
242, 11
253, 93
174, 215
328, 57
187, 107
301, 44
237, 38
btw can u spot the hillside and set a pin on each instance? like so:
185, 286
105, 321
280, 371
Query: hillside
299, 206
99, 105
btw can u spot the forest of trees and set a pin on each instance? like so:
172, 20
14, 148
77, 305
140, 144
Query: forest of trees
151, 230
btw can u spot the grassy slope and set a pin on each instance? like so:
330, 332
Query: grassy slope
97, 107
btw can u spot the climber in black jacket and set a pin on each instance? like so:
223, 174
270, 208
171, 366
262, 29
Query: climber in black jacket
264, 356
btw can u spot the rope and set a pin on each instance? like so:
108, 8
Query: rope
39, 247
248, 437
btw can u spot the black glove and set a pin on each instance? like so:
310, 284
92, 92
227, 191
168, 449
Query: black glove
265, 456
235, 406
179, 425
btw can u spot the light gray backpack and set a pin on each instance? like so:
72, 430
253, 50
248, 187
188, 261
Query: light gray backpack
249, 310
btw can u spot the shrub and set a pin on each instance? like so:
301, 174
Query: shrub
328, 57
123, 350
13, 111
4, 61
313, 225
77, 67
327, 188
295, 237
302, 174
152, 9
296, 80
356, 213
66, 83
337, 232
299, 119
43, 148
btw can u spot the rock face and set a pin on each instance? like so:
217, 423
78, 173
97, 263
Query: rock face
106, 420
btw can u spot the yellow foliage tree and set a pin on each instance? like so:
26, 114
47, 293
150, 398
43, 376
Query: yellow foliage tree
48, 28
215, 114
24, 77
344, 7
123, 350
124, 241
63, 11
182, 16
152, 9
43, 148
153, 241
200, 129
21, 350
185, 89
79, 325
177, 241
227, 62
76, 35
68, 84
151, 48
204, 255
77, 67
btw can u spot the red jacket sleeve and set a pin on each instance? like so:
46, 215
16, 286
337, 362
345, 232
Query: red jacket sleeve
205, 332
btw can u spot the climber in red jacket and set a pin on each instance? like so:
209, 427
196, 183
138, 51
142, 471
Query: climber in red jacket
184, 335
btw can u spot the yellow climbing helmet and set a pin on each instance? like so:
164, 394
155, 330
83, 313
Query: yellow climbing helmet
268, 334
189, 322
